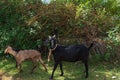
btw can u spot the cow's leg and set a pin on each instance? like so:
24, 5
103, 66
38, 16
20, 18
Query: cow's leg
61, 69
86, 68
55, 66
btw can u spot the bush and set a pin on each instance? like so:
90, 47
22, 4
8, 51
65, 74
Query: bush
25, 24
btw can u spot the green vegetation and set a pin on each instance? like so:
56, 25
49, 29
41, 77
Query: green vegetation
24, 24
98, 71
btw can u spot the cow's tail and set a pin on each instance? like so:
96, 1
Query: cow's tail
91, 45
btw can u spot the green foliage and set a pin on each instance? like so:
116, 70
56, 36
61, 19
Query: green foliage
26, 23
101, 57
107, 56
13, 29
114, 35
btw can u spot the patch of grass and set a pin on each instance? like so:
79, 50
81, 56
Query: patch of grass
72, 71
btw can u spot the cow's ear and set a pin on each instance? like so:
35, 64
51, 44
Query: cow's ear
54, 36
49, 37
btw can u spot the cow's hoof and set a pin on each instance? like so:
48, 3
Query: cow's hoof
86, 76
50, 78
61, 75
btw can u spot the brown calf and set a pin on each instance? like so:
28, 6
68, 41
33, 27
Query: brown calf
22, 55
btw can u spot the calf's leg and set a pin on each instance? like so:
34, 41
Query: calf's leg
15, 63
42, 62
19, 62
19, 67
34, 66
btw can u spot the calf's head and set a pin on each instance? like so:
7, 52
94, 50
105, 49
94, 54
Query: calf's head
7, 49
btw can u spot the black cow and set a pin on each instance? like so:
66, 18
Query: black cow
70, 53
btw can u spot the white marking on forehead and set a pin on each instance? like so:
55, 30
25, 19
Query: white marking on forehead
54, 36
52, 43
